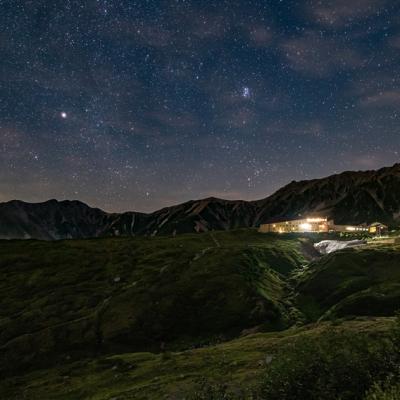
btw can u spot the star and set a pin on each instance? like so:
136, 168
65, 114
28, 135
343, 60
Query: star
157, 99
246, 92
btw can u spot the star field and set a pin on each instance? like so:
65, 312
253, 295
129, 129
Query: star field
136, 105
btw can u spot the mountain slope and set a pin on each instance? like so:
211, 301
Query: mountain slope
349, 197
50, 220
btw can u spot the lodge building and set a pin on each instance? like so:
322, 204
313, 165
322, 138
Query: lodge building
318, 224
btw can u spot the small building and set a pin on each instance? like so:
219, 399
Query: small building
377, 228
348, 228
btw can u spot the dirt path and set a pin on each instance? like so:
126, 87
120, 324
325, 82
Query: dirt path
217, 243
207, 249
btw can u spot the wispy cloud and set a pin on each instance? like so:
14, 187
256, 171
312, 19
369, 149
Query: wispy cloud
382, 99
318, 55
376, 89
260, 35
341, 13
175, 121
394, 41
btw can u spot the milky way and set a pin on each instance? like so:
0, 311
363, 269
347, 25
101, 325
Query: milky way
135, 105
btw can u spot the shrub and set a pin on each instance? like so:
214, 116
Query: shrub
387, 391
334, 366
210, 390
206, 390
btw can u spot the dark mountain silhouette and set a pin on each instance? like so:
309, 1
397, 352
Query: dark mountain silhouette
349, 197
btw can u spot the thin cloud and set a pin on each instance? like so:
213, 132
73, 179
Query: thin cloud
260, 35
389, 98
341, 13
319, 56
395, 41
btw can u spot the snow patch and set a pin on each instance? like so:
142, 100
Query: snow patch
329, 246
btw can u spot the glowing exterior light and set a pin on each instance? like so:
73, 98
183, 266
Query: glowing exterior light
305, 226
316, 219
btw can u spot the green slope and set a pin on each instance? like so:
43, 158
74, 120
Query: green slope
134, 294
151, 317
239, 364
362, 281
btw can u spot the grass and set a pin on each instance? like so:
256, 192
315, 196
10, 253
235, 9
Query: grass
133, 294
240, 363
361, 281
160, 317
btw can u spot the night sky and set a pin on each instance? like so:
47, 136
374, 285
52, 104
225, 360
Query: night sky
136, 105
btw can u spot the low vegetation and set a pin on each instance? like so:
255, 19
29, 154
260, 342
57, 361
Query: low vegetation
359, 281
311, 361
112, 295
222, 315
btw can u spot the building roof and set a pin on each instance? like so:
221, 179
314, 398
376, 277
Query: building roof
277, 220
378, 224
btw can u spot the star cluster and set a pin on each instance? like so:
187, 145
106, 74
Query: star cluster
135, 105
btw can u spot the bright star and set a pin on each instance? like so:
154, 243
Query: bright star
64, 115
246, 92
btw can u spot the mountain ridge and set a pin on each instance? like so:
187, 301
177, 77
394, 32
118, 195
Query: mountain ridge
347, 197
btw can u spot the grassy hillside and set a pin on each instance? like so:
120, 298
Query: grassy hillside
196, 317
361, 281
239, 366
134, 294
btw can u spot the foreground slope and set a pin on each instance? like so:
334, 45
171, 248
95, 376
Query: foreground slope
349, 197
141, 318
239, 365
